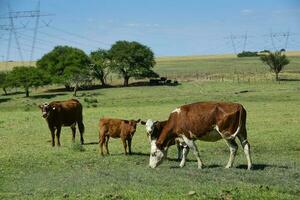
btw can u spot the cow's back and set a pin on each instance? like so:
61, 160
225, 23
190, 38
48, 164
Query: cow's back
110, 126
67, 112
198, 119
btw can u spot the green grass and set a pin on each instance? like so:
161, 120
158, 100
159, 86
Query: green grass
31, 169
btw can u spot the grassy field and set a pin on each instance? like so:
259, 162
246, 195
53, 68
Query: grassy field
31, 169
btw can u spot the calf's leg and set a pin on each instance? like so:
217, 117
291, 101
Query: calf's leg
125, 145
101, 141
129, 145
233, 149
106, 144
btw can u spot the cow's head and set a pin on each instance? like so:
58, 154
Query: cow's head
46, 110
157, 154
153, 130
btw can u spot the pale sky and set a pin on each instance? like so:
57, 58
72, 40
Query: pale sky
168, 27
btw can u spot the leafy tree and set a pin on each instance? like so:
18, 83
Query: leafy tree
132, 59
100, 65
3, 81
64, 63
27, 77
76, 76
276, 61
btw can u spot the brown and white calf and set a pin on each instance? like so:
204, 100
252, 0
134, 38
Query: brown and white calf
154, 128
116, 128
208, 121
63, 113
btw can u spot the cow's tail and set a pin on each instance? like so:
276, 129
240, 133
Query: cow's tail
241, 123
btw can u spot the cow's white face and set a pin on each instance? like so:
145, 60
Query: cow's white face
156, 155
46, 109
149, 126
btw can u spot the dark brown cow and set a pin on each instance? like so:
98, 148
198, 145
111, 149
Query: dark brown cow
116, 128
208, 121
63, 113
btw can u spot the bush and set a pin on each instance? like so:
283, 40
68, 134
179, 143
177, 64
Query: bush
248, 54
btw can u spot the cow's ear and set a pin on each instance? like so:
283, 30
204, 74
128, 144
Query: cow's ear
143, 122
40, 106
137, 121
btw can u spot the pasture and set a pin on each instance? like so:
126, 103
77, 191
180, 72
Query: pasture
31, 169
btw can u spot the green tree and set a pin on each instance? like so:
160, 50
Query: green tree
3, 81
64, 64
132, 59
100, 65
276, 61
27, 77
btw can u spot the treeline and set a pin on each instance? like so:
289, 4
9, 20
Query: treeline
254, 53
73, 68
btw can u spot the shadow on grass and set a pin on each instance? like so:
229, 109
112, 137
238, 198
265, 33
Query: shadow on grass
289, 79
91, 143
4, 100
261, 166
46, 96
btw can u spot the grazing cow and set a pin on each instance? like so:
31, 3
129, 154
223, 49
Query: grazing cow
208, 121
63, 113
153, 130
116, 128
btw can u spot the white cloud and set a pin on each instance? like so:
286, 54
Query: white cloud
247, 12
141, 25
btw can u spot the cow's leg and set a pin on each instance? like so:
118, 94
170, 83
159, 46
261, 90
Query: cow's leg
191, 144
73, 128
246, 146
53, 136
125, 145
81, 130
129, 145
58, 135
233, 149
106, 144
179, 151
185, 151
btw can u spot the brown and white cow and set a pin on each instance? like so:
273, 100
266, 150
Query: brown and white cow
63, 113
154, 128
116, 128
208, 121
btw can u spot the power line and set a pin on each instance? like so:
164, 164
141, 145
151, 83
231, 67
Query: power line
78, 36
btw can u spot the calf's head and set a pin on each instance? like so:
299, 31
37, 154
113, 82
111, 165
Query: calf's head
133, 124
46, 110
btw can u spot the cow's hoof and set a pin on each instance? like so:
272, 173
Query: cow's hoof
228, 167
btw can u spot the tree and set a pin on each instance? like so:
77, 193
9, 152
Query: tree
132, 59
100, 65
3, 81
27, 77
64, 63
77, 76
276, 61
